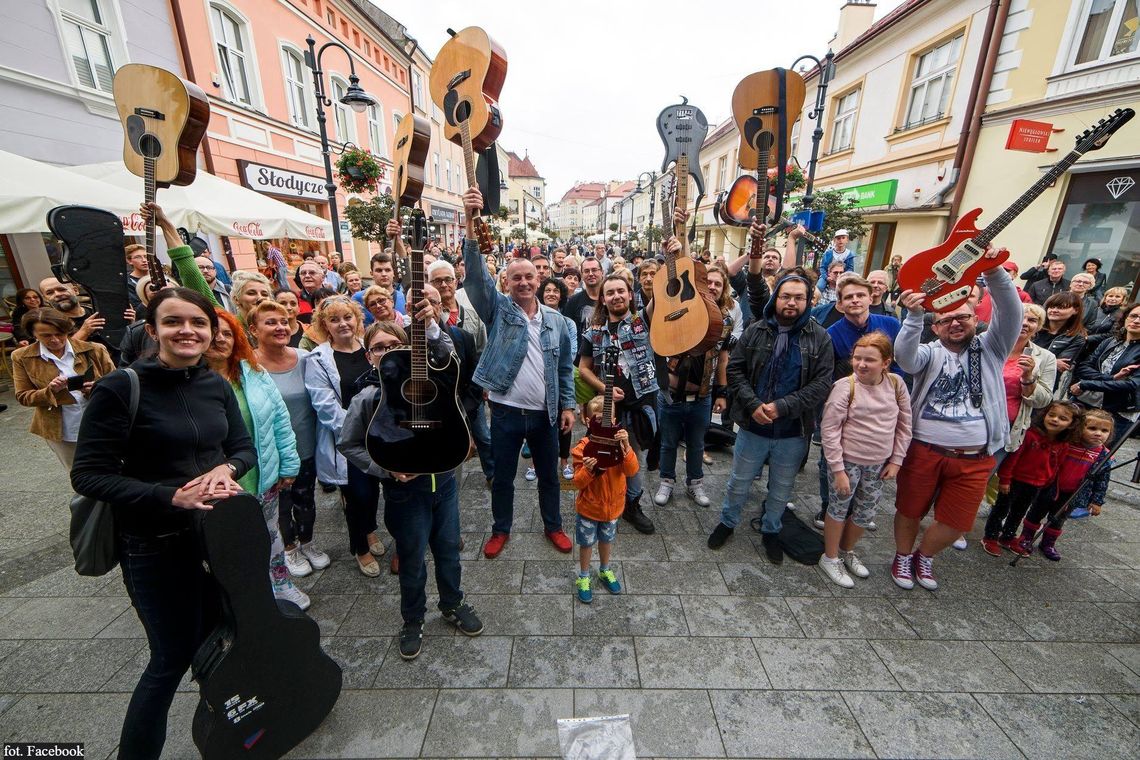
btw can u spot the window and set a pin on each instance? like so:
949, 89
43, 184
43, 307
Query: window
376, 140
87, 34
795, 143
843, 126
536, 191
229, 32
342, 114
458, 183
1101, 218
331, 18
418, 90
296, 90
933, 79
721, 173
1108, 30
435, 168
447, 172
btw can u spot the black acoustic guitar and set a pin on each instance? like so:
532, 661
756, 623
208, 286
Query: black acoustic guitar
265, 683
419, 426
93, 258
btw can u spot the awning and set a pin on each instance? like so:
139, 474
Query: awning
29, 189
212, 204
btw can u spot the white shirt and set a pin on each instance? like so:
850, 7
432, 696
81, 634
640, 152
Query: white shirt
529, 390
949, 417
72, 413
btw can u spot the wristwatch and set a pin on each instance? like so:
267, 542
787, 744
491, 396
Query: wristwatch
233, 468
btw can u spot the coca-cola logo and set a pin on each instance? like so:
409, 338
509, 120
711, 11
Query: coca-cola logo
134, 223
314, 232
249, 229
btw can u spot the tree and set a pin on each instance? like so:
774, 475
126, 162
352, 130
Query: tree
517, 233
503, 212
532, 225
369, 219
613, 227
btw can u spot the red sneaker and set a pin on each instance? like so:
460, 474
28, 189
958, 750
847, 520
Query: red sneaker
924, 571
560, 540
495, 544
1008, 544
902, 571
991, 546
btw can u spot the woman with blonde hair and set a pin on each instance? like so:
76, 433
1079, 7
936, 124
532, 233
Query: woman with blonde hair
331, 374
248, 289
1109, 308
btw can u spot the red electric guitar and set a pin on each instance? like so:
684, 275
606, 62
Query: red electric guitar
947, 272
602, 445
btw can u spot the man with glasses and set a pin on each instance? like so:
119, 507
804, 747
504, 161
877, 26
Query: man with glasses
959, 421
779, 374
136, 260
210, 272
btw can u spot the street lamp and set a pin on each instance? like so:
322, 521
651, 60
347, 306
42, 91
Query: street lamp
826, 74
354, 97
652, 197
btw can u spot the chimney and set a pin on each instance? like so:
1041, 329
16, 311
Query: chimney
855, 17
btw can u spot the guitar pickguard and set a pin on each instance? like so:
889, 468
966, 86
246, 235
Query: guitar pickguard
681, 285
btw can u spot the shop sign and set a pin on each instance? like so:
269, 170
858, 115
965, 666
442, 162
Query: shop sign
274, 181
345, 230
1029, 136
873, 194
313, 232
1118, 186
444, 214
248, 229
133, 224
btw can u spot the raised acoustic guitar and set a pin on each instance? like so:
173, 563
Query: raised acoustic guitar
164, 119
946, 273
601, 443
765, 105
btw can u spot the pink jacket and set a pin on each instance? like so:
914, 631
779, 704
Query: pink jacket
866, 424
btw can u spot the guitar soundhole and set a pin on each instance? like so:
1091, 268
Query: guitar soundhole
418, 392
462, 111
149, 146
673, 288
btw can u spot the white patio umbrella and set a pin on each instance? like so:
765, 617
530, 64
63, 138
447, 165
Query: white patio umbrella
212, 204
29, 189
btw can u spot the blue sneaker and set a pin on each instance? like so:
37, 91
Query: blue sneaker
609, 580
526, 450
1078, 513
585, 595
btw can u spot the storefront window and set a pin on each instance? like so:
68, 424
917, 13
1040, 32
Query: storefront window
1101, 219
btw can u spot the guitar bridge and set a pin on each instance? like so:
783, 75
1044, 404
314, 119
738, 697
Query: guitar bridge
420, 425
677, 314
951, 297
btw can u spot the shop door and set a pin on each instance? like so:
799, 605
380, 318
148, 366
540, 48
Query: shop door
1101, 219
882, 238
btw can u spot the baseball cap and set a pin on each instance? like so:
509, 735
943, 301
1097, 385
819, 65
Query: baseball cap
841, 232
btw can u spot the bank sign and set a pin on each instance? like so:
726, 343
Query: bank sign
282, 182
866, 196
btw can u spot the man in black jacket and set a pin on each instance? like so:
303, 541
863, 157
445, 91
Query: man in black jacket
1054, 282
778, 375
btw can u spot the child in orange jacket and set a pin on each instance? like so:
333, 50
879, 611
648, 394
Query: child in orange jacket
600, 502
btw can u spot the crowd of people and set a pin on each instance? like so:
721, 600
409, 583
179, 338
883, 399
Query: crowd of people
266, 382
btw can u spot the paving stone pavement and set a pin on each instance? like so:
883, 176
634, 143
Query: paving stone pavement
713, 654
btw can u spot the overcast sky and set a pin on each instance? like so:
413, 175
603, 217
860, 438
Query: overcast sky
586, 79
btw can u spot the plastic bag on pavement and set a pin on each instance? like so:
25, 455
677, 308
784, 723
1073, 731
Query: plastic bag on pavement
608, 736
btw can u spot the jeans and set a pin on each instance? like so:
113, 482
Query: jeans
510, 426
751, 453
278, 573
298, 507
361, 496
481, 432
418, 519
690, 418
178, 604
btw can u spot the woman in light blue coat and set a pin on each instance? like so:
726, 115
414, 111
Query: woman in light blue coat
267, 419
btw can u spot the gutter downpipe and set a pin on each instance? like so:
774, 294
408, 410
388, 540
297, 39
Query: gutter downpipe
187, 61
979, 94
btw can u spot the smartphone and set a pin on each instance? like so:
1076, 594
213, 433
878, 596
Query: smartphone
75, 382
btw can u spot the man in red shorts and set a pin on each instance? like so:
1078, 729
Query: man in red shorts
958, 405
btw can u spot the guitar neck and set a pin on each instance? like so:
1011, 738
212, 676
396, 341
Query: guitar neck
681, 172
482, 231
761, 211
994, 228
154, 268
608, 398
417, 332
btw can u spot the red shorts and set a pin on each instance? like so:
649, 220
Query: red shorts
955, 487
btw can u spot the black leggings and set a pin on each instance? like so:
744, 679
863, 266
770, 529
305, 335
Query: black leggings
361, 496
1049, 507
297, 511
1009, 510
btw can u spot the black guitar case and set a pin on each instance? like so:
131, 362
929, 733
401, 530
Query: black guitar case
93, 258
265, 683
488, 178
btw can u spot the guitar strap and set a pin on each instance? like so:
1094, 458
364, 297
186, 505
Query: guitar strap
781, 141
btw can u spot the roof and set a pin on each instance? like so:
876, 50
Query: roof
520, 167
877, 28
625, 188
585, 191
720, 131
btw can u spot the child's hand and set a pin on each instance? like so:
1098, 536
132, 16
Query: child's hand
842, 484
1094, 509
1003, 488
622, 437
889, 472
591, 464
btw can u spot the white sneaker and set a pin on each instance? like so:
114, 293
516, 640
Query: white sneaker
568, 472
317, 558
697, 493
871, 526
833, 569
855, 565
960, 544
290, 593
296, 563
664, 492
530, 473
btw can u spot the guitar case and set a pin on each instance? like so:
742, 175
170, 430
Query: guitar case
93, 257
264, 681
487, 175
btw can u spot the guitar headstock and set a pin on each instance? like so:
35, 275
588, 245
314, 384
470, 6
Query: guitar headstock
483, 236
417, 226
683, 128
1097, 135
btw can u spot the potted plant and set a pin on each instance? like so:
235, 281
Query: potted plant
358, 170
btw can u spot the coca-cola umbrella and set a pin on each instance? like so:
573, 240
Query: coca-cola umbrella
212, 204
29, 189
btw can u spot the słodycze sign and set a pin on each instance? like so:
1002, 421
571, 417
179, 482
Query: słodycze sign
1029, 136
282, 182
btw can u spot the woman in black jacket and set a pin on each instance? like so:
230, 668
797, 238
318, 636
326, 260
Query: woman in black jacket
187, 446
1063, 333
1108, 379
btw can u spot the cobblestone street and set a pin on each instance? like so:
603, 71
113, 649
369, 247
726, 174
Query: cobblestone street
713, 654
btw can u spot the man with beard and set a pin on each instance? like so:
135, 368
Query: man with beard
635, 381
959, 422
580, 306
779, 374
64, 298
209, 271
646, 272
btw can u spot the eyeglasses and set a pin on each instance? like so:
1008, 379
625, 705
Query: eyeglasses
790, 298
378, 350
442, 280
1132, 318
961, 319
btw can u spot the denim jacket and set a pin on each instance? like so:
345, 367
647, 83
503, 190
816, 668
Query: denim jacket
633, 339
507, 338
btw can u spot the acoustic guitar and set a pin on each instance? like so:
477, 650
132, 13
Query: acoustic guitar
765, 106
601, 443
264, 682
465, 81
164, 119
419, 426
947, 272
685, 317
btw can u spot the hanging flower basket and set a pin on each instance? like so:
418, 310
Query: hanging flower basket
358, 170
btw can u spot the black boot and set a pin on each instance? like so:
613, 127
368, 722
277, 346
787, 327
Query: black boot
635, 517
773, 548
